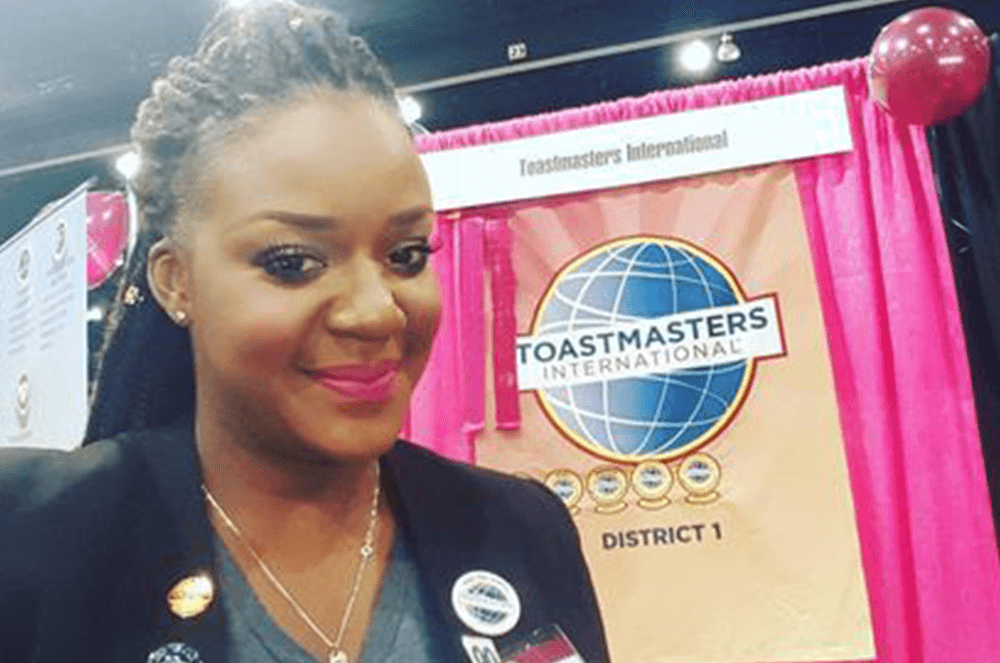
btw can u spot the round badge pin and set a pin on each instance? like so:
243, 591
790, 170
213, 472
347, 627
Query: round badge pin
175, 652
486, 603
191, 596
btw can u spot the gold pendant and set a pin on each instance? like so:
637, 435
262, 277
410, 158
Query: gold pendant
338, 656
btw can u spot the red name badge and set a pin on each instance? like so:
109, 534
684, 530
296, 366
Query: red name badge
544, 645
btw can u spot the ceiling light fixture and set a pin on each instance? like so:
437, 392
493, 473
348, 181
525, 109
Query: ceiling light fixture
127, 165
728, 51
695, 56
410, 109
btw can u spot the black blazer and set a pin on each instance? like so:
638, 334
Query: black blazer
92, 540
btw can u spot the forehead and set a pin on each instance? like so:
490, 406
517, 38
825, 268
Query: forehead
327, 152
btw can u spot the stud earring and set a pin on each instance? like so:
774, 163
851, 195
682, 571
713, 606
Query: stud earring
180, 317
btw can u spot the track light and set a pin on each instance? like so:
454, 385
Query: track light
728, 51
410, 109
127, 165
695, 56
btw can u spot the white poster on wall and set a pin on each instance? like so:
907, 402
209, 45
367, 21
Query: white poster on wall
43, 339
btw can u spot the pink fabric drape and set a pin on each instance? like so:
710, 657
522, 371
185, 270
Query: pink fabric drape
898, 350
503, 288
447, 409
904, 390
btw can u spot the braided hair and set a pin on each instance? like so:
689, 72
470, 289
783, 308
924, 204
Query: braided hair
247, 60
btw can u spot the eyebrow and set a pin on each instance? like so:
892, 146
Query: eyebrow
318, 223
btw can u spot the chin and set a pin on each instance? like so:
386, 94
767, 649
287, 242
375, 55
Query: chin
327, 449
353, 438
323, 428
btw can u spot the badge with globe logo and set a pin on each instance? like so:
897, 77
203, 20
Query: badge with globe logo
644, 348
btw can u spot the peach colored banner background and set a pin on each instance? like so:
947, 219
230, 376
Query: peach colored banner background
768, 569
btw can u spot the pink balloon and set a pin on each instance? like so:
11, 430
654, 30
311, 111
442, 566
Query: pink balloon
107, 235
929, 65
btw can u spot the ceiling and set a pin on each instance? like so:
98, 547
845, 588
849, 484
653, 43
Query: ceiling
71, 73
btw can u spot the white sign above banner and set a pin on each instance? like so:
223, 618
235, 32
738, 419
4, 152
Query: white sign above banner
795, 126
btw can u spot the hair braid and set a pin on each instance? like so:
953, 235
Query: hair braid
146, 377
247, 59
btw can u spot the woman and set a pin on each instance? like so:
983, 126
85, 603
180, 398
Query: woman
241, 495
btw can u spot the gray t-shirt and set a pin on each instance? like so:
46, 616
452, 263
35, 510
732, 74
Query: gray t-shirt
398, 632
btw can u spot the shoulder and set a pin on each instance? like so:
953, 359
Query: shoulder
462, 487
33, 479
86, 478
51, 505
461, 476
464, 517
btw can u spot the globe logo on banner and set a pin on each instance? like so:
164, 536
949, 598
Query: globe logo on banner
645, 348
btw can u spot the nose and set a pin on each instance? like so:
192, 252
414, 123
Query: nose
366, 306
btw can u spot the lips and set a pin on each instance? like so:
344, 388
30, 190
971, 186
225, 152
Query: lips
360, 382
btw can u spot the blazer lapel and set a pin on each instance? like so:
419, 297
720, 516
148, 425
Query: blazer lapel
429, 518
172, 541
446, 516
444, 513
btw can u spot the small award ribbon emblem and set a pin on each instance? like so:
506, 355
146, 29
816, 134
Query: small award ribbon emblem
607, 486
652, 480
700, 475
568, 486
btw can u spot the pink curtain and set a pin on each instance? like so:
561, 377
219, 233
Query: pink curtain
895, 336
447, 408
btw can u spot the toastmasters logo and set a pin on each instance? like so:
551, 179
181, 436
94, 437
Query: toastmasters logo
644, 348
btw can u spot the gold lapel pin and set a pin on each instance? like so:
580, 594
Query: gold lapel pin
191, 596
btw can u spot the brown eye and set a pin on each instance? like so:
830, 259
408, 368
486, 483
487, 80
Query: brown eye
410, 259
289, 264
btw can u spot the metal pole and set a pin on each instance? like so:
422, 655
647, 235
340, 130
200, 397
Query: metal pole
569, 58
655, 42
65, 160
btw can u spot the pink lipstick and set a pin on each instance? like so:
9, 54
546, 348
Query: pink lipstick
360, 382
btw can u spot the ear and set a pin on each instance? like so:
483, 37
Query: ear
167, 274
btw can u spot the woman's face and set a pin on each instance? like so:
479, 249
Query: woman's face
311, 305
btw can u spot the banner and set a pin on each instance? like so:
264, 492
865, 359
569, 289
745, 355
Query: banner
653, 148
677, 393
43, 304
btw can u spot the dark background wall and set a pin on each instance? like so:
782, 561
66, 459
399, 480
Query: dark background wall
71, 73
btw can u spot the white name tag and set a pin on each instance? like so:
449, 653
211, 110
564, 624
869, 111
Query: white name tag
480, 650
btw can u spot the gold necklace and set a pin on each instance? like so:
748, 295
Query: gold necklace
337, 655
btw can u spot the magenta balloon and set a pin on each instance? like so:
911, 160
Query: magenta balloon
107, 235
929, 65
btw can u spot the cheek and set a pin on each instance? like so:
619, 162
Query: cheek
248, 327
422, 303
